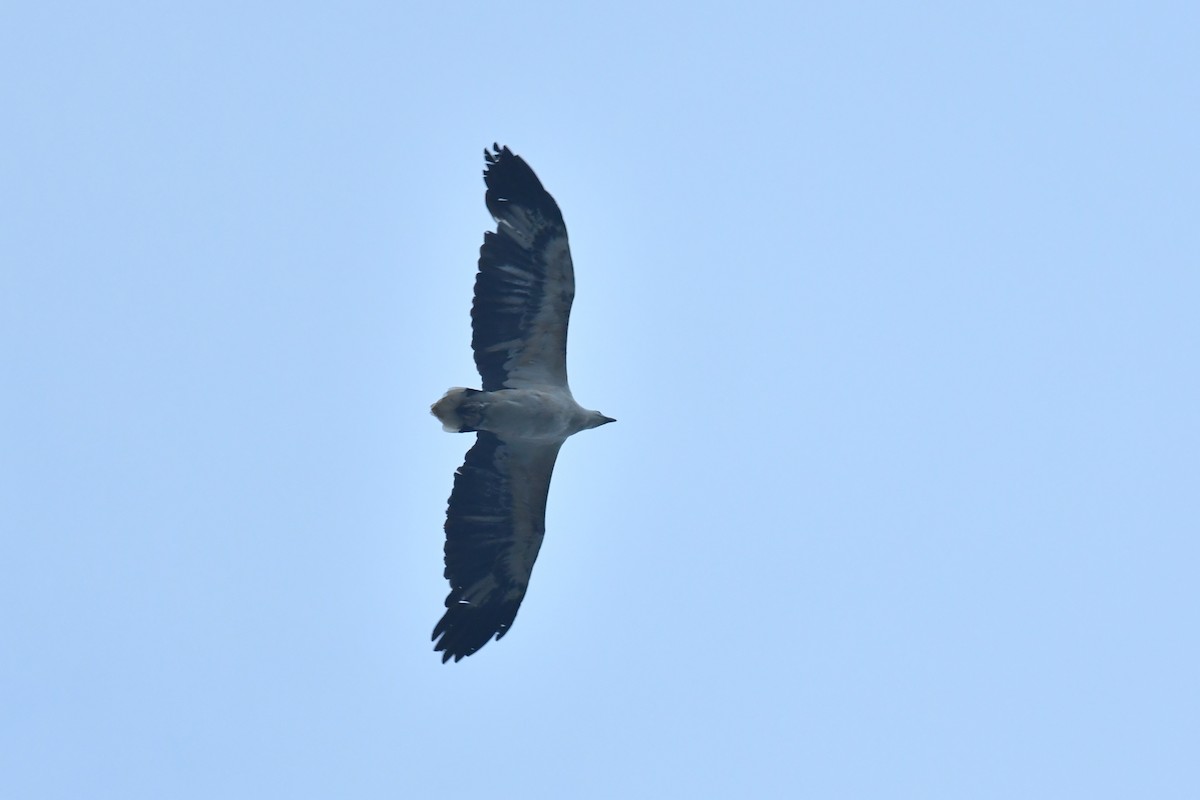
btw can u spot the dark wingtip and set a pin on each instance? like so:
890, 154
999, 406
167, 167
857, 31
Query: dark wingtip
496, 154
465, 628
510, 180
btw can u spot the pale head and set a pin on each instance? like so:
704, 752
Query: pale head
596, 419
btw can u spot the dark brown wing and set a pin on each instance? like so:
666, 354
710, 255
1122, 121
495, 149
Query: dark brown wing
526, 282
494, 528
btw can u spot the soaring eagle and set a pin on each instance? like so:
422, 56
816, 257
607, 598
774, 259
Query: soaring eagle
497, 512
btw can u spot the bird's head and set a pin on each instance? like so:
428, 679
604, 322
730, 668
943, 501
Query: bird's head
597, 419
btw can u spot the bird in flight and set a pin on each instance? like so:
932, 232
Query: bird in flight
497, 510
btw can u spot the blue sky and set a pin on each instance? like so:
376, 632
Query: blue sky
896, 305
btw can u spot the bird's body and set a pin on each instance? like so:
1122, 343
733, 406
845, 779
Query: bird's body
496, 515
541, 414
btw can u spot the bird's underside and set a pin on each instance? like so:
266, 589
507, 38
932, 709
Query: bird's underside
495, 520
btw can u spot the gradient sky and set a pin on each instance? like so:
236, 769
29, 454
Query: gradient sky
897, 305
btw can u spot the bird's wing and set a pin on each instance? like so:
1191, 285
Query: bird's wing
494, 528
526, 282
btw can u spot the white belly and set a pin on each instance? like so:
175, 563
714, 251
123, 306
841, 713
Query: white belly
540, 414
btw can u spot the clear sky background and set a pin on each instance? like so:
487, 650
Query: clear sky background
896, 305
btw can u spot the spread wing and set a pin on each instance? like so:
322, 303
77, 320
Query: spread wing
494, 529
526, 282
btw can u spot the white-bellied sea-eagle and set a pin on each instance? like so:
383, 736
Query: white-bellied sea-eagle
497, 510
